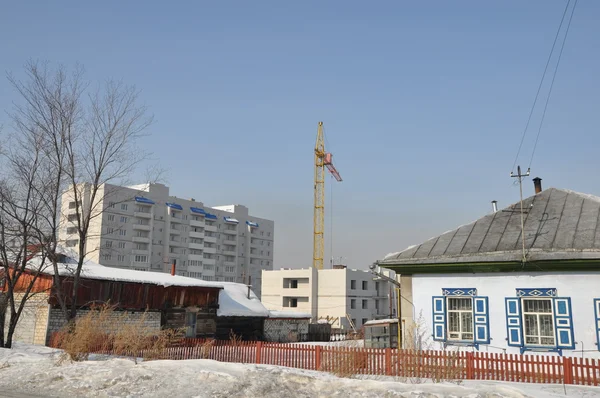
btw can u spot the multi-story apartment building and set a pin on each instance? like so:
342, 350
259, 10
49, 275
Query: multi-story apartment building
142, 227
339, 294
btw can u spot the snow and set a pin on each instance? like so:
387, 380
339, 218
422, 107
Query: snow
289, 314
34, 372
234, 301
380, 321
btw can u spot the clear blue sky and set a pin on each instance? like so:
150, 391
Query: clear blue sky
423, 102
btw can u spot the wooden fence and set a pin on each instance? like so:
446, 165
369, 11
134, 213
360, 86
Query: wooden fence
435, 365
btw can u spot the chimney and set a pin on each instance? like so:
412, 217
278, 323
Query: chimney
537, 183
173, 267
495, 205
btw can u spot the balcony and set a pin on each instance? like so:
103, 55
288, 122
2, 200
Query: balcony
175, 219
194, 234
230, 231
138, 251
197, 246
197, 257
211, 250
229, 252
210, 239
212, 228
197, 223
230, 263
177, 243
229, 241
174, 231
142, 214
141, 239
141, 227
209, 261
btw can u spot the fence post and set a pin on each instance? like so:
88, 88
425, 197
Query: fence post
258, 351
388, 361
318, 350
567, 370
470, 366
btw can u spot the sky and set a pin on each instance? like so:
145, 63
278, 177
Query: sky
423, 103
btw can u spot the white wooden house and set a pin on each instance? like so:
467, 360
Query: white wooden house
472, 289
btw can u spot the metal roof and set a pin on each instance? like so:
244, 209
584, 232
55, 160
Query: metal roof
559, 225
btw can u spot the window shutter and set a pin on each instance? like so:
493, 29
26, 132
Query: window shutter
439, 318
597, 312
563, 323
481, 320
514, 327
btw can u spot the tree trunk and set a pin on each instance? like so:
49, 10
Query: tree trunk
3, 307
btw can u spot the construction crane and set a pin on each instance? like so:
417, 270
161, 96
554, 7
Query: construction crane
322, 159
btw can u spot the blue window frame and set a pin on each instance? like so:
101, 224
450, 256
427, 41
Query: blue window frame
461, 317
538, 320
597, 316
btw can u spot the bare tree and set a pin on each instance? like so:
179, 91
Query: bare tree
86, 140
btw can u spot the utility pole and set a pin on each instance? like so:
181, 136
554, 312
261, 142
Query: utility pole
520, 177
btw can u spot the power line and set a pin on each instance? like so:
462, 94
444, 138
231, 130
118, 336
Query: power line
562, 47
540, 85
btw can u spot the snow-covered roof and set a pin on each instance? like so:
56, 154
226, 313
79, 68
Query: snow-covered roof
233, 297
234, 301
381, 321
93, 270
289, 314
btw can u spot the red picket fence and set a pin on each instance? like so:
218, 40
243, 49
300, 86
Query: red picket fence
435, 365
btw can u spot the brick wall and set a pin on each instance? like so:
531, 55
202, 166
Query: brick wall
151, 322
285, 330
33, 322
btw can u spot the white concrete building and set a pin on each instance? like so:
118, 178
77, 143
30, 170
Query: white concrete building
330, 293
144, 228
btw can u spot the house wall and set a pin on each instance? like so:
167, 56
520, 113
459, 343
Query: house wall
581, 287
276, 290
285, 330
33, 322
151, 321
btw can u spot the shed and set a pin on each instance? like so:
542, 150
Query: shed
381, 333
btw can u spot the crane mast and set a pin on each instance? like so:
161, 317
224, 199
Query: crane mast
322, 159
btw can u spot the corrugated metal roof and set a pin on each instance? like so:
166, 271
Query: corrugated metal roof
559, 225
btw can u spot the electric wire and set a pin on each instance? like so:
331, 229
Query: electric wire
540, 85
562, 47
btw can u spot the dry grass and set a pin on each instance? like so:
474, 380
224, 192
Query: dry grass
104, 330
344, 362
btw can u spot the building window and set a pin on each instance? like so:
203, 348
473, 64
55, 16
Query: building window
365, 285
106, 256
364, 320
597, 313
365, 304
121, 258
352, 304
72, 205
294, 284
123, 206
108, 243
72, 217
538, 319
111, 204
121, 245
141, 259
461, 316
291, 302
353, 284
71, 230
123, 219
208, 278
111, 217
377, 304
71, 243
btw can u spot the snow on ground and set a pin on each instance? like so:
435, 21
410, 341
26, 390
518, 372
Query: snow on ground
33, 372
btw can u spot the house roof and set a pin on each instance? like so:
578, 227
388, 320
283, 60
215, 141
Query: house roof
234, 298
559, 225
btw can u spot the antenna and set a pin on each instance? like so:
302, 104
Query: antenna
520, 177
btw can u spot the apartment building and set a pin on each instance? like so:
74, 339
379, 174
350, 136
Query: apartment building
143, 227
339, 294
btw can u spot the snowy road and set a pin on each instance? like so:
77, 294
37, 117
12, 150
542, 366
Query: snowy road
34, 372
